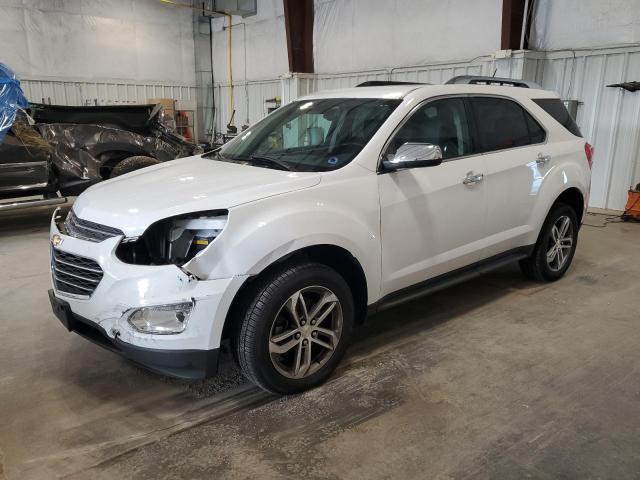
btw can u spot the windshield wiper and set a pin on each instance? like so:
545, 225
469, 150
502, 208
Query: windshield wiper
273, 161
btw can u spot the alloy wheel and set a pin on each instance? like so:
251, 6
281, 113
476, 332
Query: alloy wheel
560, 243
305, 332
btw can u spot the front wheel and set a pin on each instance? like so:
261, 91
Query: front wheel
555, 247
296, 329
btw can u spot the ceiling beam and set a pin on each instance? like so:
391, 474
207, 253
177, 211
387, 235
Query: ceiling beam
513, 15
298, 20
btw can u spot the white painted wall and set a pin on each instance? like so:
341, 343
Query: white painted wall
570, 24
353, 35
140, 40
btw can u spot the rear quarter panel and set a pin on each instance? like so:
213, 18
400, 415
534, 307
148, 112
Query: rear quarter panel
568, 169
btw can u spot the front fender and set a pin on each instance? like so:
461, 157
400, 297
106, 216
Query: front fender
260, 233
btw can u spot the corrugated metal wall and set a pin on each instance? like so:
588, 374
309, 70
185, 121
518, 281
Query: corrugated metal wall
249, 101
608, 117
78, 92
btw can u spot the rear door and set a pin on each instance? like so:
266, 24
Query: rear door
516, 158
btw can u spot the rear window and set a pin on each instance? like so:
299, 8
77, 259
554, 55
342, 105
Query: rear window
555, 108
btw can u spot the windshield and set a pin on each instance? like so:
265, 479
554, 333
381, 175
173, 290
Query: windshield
310, 136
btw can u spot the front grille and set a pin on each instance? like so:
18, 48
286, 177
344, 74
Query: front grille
74, 274
86, 230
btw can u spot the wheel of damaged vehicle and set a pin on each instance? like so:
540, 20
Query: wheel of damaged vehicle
296, 328
131, 164
555, 247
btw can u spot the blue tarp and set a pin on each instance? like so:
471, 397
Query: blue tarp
11, 98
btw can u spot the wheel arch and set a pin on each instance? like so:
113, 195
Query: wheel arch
338, 258
573, 197
111, 154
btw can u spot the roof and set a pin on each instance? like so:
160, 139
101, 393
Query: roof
401, 91
392, 92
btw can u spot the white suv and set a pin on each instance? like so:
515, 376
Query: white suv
338, 205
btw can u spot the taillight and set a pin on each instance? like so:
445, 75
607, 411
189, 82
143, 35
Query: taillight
588, 151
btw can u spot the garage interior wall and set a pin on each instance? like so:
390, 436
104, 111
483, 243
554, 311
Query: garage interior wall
106, 52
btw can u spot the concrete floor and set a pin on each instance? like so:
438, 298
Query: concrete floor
495, 378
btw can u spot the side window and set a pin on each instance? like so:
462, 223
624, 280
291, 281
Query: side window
536, 132
503, 124
442, 123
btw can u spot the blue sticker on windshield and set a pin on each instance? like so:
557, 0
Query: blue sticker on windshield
332, 160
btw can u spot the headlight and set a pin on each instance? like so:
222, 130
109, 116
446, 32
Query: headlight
161, 319
174, 240
189, 236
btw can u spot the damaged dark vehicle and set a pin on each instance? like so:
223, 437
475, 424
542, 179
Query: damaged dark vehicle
48, 149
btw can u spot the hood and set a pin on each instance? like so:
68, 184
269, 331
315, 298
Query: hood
136, 200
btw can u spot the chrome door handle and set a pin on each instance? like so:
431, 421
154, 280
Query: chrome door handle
543, 159
472, 178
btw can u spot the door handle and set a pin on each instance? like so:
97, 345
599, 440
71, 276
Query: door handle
472, 179
542, 160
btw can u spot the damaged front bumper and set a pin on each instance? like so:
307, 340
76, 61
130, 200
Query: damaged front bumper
102, 315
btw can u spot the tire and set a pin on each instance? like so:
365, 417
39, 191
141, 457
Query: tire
132, 163
269, 317
538, 266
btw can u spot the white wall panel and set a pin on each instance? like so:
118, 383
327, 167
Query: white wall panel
298, 85
78, 92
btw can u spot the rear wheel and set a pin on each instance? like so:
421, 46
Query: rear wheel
556, 246
131, 164
296, 329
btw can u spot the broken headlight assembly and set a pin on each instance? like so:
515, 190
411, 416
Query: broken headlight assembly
174, 240
161, 319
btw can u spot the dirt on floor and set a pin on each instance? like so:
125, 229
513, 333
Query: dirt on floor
494, 378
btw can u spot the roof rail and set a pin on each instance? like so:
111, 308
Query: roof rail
384, 83
479, 80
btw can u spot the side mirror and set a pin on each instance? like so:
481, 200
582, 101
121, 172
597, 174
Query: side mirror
412, 155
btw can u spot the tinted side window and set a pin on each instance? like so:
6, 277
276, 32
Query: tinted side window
501, 123
442, 123
555, 108
536, 132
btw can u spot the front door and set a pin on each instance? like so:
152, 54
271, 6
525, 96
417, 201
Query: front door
433, 218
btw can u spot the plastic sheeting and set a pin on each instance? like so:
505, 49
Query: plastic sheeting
570, 24
77, 149
263, 56
11, 98
96, 40
354, 35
